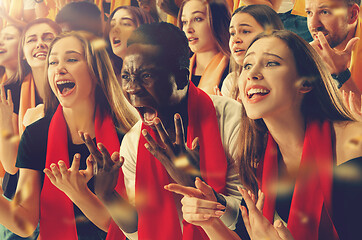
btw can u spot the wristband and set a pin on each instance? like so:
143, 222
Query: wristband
38, 1
342, 77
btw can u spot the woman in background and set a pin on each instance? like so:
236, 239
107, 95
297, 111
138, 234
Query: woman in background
246, 23
206, 25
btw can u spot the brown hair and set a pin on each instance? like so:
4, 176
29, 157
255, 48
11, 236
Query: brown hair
219, 20
24, 68
321, 103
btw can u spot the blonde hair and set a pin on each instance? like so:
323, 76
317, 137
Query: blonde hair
108, 93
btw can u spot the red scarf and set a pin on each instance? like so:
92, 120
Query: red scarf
311, 206
56, 209
158, 219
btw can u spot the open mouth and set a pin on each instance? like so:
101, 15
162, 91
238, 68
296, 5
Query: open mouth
40, 55
148, 114
116, 41
192, 39
2, 51
257, 92
65, 86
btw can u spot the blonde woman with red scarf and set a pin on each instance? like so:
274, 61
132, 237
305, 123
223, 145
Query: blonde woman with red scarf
81, 94
300, 147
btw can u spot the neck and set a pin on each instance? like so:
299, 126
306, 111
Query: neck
10, 72
203, 59
351, 34
288, 131
39, 79
80, 118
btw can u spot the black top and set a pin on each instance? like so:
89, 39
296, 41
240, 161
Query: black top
32, 155
346, 199
15, 95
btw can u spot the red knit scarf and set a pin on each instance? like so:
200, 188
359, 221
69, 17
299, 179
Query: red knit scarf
56, 209
158, 218
310, 210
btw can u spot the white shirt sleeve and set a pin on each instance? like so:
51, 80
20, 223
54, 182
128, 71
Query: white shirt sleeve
228, 113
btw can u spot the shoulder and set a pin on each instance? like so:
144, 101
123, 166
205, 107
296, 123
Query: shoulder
226, 106
131, 138
348, 140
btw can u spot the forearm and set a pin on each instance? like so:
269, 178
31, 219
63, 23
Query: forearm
16, 218
9, 143
122, 212
217, 230
179, 175
92, 208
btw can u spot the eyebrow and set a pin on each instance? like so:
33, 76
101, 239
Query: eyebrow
265, 53
322, 6
67, 52
241, 25
194, 13
123, 18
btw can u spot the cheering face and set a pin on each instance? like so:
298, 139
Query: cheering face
68, 73
195, 25
243, 29
122, 26
329, 17
36, 43
9, 40
268, 80
148, 84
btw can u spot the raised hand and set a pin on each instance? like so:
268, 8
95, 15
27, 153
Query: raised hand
336, 61
106, 167
256, 224
180, 161
199, 205
6, 110
71, 181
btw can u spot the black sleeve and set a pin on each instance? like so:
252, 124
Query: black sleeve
32, 146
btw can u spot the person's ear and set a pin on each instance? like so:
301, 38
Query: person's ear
353, 13
182, 78
306, 87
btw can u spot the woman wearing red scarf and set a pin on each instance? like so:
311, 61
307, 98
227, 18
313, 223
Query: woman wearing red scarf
82, 94
300, 145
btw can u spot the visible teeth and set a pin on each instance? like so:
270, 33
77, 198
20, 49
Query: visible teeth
64, 82
257, 90
40, 55
239, 50
192, 39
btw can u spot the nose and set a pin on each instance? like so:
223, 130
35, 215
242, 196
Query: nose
41, 44
236, 39
254, 74
132, 86
314, 23
60, 70
189, 27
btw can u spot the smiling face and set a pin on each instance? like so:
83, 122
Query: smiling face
329, 17
36, 43
195, 24
148, 84
9, 40
243, 29
122, 26
268, 81
68, 73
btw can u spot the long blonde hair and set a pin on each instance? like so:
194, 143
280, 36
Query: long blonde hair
108, 94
